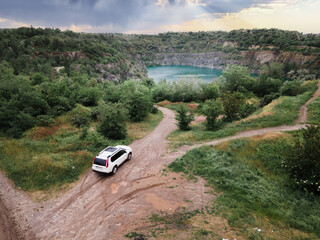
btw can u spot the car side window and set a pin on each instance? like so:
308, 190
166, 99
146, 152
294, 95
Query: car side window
117, 155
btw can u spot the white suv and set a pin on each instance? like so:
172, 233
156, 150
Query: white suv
110, 158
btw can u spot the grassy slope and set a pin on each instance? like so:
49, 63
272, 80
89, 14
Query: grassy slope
48, 157
314, 110
285, 112
254, 191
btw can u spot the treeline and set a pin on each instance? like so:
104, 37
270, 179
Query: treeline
236, 40
33, 50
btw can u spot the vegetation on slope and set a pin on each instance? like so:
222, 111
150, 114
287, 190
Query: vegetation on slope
255, 190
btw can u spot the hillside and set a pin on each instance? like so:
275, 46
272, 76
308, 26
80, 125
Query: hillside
118, 57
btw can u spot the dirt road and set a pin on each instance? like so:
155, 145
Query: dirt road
107, 207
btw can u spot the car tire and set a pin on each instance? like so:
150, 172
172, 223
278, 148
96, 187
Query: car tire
114, 170
129, 156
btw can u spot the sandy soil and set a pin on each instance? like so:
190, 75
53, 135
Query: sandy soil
107, 207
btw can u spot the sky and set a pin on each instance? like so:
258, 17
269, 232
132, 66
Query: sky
155, 16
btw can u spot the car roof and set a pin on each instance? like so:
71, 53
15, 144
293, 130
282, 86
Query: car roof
109, 151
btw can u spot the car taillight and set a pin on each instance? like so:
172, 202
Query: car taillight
94, 159
107, 162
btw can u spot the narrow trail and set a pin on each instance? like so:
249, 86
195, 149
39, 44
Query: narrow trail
304, 109
107, 207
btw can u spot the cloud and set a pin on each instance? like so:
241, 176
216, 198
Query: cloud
145, 15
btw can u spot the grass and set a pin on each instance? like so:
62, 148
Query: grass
284, 111
254, 189
314, 110
141, 129
47, 158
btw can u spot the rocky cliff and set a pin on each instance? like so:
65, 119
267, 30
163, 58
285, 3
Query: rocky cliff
221, 59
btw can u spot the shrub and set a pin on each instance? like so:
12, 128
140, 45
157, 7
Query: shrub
89, 96
137, 99
212, 109
236, 78
290, 88
44, 120
303, 160
211, 91
112, 121
267, 85
80, 116
268, 99
246, 109
232, 104
183, 118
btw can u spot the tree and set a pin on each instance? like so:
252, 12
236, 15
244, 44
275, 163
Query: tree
290, 88
236, 78
212, 109
80, 116
232, 105
20, 103
273, 70
267, 85
211, 91
112, 118
137, 99
183, 118
303, 160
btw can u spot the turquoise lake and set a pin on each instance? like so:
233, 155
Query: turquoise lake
177, 72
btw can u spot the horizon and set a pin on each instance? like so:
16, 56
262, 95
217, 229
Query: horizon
161, 16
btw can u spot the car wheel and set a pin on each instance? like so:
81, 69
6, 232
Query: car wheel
129, 156
114, 170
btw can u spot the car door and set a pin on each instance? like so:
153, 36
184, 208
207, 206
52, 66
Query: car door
122, 156
118, 158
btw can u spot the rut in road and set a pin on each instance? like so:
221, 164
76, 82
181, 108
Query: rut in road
104, 207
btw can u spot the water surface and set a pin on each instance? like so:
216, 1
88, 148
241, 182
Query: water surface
177, 72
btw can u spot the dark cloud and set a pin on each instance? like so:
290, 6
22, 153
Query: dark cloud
123, 14
64, 13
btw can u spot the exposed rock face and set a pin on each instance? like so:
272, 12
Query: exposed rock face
112, 71
220, 60
260, 57
216, 60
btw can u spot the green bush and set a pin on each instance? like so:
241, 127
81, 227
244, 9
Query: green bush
45, 120
303, 160
290, 88
212, 109
232, 103
183, 118
246, 109
236, 78
80, 116
267, 85
137, 99
268, 99
211, 91
89, 96
112, 121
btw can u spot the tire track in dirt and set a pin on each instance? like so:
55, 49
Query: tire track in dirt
7, 226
